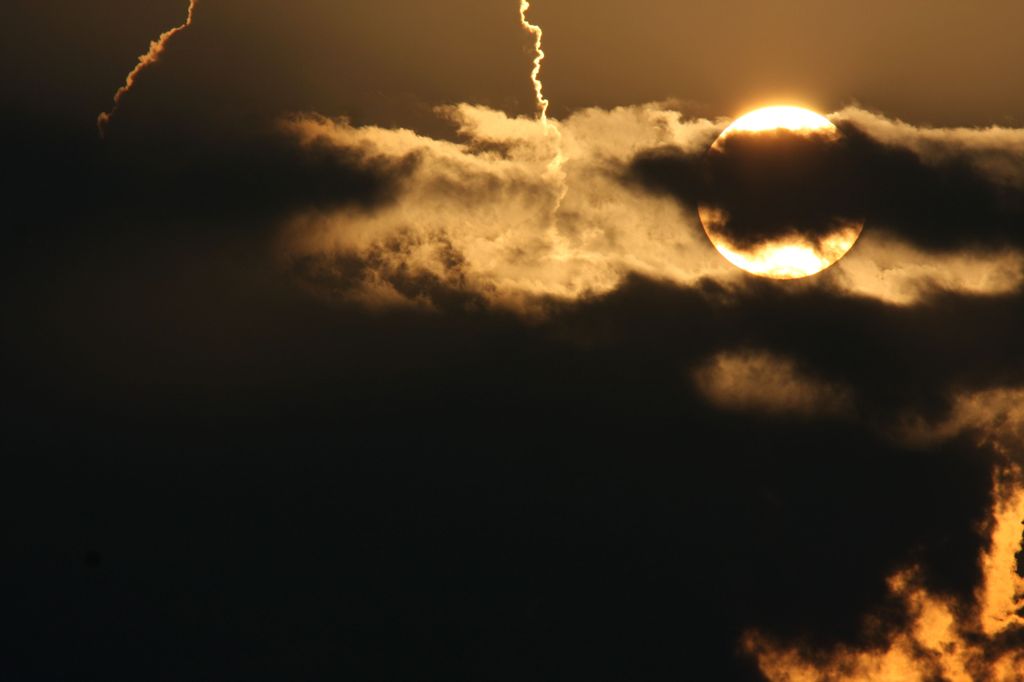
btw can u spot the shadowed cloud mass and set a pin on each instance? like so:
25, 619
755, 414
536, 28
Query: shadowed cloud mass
940, 190
301, 396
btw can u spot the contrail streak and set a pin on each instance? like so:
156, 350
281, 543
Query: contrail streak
538, 48
156, 48
555, 167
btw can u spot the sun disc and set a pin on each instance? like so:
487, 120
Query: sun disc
790, 254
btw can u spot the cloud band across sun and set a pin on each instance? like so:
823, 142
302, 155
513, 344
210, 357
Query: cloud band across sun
627, 206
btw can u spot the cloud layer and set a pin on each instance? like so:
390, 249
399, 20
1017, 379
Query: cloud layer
484, 217
373, 374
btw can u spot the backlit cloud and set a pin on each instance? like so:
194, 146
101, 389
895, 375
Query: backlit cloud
478, 216
762, 382
483, 217
943, 638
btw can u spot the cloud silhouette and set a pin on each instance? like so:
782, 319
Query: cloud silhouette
939, 190
388, 371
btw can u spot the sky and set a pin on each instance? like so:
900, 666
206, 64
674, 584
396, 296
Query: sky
330, 359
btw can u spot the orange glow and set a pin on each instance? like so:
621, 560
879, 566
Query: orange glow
944, 640
156, 48
930, 649
1002, 593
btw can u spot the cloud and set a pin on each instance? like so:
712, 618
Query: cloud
889, 269
995, 152
996, 415
939, 190
623, 430
762, 382
958, 636
508, 375
254, 174
478, 216
65, 179
483, 218
942, 637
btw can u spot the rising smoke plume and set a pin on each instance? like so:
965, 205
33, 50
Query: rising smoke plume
152, 56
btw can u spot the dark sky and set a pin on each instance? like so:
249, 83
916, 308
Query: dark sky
297, 397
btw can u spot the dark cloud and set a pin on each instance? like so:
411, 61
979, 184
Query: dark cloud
365, 481
279, 482
259, 175
213, 472
341, 483
768, 182
262, 173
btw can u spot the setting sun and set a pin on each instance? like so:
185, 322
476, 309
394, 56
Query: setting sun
796, 119
790, 251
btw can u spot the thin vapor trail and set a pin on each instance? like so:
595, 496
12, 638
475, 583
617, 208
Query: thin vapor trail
156, 48
555, 167
538, 48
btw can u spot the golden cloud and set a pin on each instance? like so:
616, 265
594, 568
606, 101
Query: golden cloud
489, 216
762, 382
